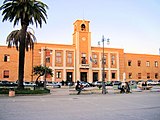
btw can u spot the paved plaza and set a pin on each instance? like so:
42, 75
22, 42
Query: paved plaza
59, 105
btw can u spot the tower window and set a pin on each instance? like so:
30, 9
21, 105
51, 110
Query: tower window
83, 27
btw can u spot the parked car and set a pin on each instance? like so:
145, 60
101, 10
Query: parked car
85, 84
29, 84
116, 82
69, 83
7, 83
108, 83
97, 83
158, 82
57, 84
132, 82
151, 82
144, 86
49, 83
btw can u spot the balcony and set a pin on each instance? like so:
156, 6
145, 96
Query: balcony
84, 66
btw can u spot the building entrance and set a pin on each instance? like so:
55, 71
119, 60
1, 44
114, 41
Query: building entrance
83, 76
69, 77
95, 76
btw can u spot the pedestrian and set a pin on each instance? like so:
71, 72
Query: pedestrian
127, 88
121, 88
79, 87
62, 82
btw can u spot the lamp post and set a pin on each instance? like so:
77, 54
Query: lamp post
45, 57
104, 90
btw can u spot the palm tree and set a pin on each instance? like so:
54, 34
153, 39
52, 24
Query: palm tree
26, 12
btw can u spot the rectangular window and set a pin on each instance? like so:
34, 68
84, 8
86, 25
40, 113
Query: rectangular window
139, 75
156, 75
95, 59
58, 57
148, 75
6, 58
129, 62
69, 58
139, 63
6, 74
83, 60
113, 75
130, 75
112, 60
48, 55
156, 63
48, 59
147, 63
58, 75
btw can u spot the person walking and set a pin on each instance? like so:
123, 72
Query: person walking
79, 87
127, 88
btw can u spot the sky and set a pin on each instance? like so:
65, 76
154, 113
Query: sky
133, 25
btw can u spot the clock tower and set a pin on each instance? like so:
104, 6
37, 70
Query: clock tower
82, 43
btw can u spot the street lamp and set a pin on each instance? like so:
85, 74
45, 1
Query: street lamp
104, 91
45, 57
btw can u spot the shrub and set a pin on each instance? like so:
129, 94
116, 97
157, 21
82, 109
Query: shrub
25, 91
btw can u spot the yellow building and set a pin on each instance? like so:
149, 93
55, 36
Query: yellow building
80, 61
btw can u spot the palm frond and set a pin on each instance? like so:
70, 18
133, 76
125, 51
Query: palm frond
24, 11
13, 39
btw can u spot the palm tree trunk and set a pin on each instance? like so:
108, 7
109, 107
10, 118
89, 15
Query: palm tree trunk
21, 56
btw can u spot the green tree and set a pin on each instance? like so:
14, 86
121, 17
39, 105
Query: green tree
41, 71
26, 12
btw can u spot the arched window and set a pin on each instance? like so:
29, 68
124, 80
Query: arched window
83, 27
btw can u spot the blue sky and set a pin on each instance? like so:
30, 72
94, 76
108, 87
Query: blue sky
133, 25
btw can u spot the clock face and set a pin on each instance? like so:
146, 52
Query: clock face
83, 38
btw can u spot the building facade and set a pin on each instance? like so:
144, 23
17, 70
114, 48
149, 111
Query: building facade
80, 61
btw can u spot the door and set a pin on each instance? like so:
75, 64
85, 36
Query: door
83, 76
95, 76
69, 77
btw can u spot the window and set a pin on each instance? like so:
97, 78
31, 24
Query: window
139, 63
58, 75
130, 75
6, 58
83, 27
83, 61
148, 75
6, 74
95, 59
113, 75
156, 75
48, 53
147, 63
69, 58
156, 63
58, 57
113, 60
139, 75
129, 62
48, 59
